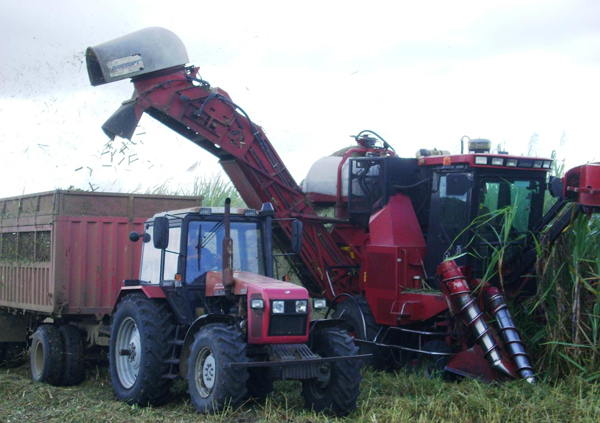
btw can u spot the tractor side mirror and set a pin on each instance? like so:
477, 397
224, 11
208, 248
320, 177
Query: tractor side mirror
296, 236
136, 236
161, 232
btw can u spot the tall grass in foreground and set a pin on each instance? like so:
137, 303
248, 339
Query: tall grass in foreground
215, 189
386, 397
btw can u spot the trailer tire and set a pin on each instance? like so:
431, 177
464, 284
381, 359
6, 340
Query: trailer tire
259, 385
46, 357
72, 373
213, 384
139, 347
348, 311
336, 394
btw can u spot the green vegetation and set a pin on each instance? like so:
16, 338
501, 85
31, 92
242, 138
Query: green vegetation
215, 189
566, 311
386, 397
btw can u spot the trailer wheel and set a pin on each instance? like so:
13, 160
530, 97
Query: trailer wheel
259, 385
349, 311
72, 373
46, 357
139, 347
338, 387
213, 384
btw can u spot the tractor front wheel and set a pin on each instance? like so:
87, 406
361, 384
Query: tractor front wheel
338, 386
213, 383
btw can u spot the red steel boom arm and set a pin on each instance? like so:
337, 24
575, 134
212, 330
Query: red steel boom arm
209, 118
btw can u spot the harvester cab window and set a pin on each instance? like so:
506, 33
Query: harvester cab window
508, 209
516, 200
205, 243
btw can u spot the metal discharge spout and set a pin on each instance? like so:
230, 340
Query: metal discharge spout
463, 304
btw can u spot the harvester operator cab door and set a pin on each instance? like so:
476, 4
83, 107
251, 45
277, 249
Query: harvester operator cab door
450, 214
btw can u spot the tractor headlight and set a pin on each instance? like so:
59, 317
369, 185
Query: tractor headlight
257, 304
301, 306
319, 303
278, 307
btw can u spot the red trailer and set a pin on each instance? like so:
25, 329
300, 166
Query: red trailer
64, 256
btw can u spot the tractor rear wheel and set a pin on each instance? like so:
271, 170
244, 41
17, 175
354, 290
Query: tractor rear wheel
213, 383
338, 386
46, 357
139, 349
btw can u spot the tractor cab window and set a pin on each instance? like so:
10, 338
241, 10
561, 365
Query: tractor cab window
205, 248
172, 254
152, 258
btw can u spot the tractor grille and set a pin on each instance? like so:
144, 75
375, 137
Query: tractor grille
288, 325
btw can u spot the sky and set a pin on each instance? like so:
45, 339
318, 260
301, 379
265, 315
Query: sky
311, 73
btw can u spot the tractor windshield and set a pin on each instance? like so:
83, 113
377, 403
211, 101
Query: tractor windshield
205, 244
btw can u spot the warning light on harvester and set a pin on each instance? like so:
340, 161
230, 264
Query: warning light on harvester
447, 161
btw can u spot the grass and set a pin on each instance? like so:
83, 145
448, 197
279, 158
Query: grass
215, 189
386, 397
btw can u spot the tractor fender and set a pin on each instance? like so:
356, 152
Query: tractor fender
150, 291
192, 330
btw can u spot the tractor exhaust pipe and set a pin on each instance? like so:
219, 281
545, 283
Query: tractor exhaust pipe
227, 249
457, 290
495, 304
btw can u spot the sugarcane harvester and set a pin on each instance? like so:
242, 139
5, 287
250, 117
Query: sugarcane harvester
396, 219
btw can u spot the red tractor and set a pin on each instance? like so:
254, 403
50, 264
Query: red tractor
206, 308
377, 257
